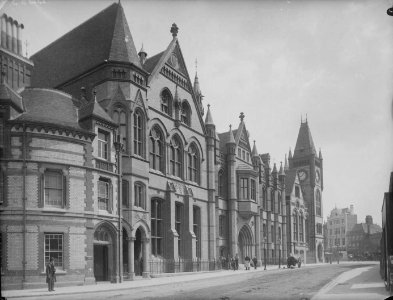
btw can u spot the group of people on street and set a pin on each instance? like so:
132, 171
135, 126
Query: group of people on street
232, 263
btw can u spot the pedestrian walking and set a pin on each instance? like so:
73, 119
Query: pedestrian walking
247, 262
255, 261
233, 263
50, 274
237, 261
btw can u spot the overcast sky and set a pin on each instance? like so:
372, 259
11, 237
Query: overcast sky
274, 61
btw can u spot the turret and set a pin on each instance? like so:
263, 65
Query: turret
255, 157
197, 90
142, 55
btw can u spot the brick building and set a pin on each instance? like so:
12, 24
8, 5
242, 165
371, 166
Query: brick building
112, 166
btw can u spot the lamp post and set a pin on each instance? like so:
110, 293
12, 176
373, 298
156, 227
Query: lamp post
119, 147
264, 251
279, 254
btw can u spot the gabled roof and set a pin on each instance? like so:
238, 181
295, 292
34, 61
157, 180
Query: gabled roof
105, 36
304, 144
94, 110
151, 62
7, 94
49, 106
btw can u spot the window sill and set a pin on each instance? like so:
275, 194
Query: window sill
58, 272
140, 209
54, 209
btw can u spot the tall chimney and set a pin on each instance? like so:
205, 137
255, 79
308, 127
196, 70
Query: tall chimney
351, 208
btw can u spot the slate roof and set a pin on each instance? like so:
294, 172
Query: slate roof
362, 227
304, 144
105, 36
7, 94
93, 109
49, 107
151, 62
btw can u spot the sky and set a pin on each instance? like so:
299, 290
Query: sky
276, 61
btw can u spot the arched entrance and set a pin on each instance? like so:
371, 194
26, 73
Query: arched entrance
104, 254
245, 243
138, 257
320, 253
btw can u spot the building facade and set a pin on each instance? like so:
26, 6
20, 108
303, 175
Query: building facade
113, 167
309, 167
338, 225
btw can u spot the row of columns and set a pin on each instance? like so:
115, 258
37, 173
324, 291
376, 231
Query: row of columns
11, 34
145, 256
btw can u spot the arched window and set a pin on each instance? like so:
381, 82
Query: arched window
166, 102
318, 204
193, 164
125, 190
139, 195
119, 117
185, 113
157, 234
272, 201
294, 216
279, 203
156, 144
138, 132
264, 200
176, 157
221, 183
301, 231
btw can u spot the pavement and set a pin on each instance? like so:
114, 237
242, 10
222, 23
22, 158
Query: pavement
163, 279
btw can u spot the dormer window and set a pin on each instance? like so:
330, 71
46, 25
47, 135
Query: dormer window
166, 102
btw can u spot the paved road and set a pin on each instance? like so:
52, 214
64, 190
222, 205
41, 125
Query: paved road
304, 283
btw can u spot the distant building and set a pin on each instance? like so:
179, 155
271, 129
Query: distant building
364, 239
340, 221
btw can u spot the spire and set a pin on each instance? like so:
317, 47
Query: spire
142, 55
290, 154
320, 154
209, 119
274, 169
241, 117
304, 144
254, 152
197, 89
286, 167
231, 138
281, 172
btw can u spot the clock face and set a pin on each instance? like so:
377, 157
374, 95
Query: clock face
317, 176
302, 175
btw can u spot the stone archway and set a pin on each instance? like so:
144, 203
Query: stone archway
139, 248
245, 243
104, 253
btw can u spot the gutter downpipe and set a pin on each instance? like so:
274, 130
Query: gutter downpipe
24, 167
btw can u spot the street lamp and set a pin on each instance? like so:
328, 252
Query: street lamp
264, 251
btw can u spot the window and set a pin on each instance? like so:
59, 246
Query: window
119, 117
103, 142
138, 133
243, 154
54, 248
178, 227
185, 113
343, 241
318, 204
279, 203
301, 224
279, 233
104, 194
197, 229
222, 226
156, 227
239, 152
221, 183
176, 157
139, 194
244, 188
248, 157
264, 231
319, 229
166, 102
294, 227
193, 164
125, 191
54, 190
297, 191
253, 190
272, 200
156, 149
273, 234
264, 200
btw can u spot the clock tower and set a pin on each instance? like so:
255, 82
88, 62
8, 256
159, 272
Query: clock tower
309, 166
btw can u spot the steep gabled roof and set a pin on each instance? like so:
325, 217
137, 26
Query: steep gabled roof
304, 144
151, 62
105, 36
94, 110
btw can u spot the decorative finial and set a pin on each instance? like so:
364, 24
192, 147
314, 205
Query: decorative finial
208, 106
174, 30
196, 66
254, 142
230, 127
95, 95
241, 116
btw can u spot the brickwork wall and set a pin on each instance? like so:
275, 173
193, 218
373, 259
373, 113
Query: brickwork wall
14, 188
32, 191
77, 189
77, 248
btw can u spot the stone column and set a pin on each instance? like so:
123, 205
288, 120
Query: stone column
146, 257
131, 271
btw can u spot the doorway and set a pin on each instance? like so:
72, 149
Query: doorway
101, 262
138, 258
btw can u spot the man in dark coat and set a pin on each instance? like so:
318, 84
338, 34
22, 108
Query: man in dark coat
50, 274
255, 261
237, 261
